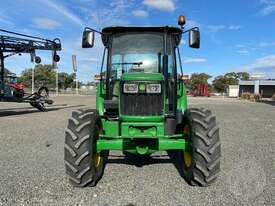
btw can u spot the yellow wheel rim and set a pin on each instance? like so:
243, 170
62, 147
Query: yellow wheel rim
187, 158
97, 160
186, 155
98, 157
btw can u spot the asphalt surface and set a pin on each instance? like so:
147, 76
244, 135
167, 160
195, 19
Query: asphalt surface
32, 168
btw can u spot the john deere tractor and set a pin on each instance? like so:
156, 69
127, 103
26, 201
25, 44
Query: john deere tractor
141, 107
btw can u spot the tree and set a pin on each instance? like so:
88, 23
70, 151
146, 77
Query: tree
66, 80
231, 78
46, 76
222, 82
243, 76
197, 78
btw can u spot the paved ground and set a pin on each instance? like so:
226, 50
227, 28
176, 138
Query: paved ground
32, 169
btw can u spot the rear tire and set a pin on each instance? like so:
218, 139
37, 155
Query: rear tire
83, 165
205, 151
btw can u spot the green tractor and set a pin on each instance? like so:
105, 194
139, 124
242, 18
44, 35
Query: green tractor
141, 108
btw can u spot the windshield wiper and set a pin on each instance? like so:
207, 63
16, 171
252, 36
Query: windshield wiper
127, 63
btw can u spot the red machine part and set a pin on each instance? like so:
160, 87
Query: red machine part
201, 90
17, 86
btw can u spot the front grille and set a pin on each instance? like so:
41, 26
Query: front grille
141, 104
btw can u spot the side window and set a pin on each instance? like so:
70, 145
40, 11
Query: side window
116, 66
103, 69
170, 58
170, 66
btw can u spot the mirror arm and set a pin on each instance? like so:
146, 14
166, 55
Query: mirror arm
90, 29
194, 28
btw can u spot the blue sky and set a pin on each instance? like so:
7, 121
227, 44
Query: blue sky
236, 35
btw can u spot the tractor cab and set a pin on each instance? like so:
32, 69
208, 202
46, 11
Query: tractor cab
143, 70
12, 88
11, 81
140, 76
11, 78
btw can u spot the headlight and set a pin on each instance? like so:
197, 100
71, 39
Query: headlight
130, 88
153, 88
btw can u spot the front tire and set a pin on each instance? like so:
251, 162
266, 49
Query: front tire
83, 165
201, 164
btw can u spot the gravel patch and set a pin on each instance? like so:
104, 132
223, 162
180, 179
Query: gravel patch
32, 168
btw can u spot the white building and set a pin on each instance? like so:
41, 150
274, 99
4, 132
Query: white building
233, 90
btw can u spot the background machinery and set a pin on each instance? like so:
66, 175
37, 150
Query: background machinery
10, 90
201, 90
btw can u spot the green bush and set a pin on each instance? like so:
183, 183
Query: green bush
245, 95
255, 97
251, 97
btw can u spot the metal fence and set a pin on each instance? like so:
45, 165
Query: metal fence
69, 91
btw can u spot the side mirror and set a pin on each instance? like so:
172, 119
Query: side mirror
88, 39
194, 39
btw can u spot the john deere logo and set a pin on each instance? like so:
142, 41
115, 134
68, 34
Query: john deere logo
142, 87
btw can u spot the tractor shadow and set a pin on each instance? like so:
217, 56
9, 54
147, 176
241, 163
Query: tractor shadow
31, 110
138, 160
143, 160
272, 103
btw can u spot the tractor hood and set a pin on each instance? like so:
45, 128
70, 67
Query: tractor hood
141, 76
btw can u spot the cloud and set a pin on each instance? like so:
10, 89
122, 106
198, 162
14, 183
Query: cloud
264, 65
194, 60
64, 11
116, 12
192, 23
221, 27
245, 48
163, 5
88, 60
266, 44
215, 28
45, 23
240, 46
268, 7
234, 27
140, 13
243, 51
264, 62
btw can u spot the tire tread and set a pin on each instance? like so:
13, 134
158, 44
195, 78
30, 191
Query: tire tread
206, 147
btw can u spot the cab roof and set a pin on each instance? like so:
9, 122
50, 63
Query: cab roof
122, 29
108, 31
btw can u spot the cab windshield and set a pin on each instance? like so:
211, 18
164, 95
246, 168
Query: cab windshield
136, 52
